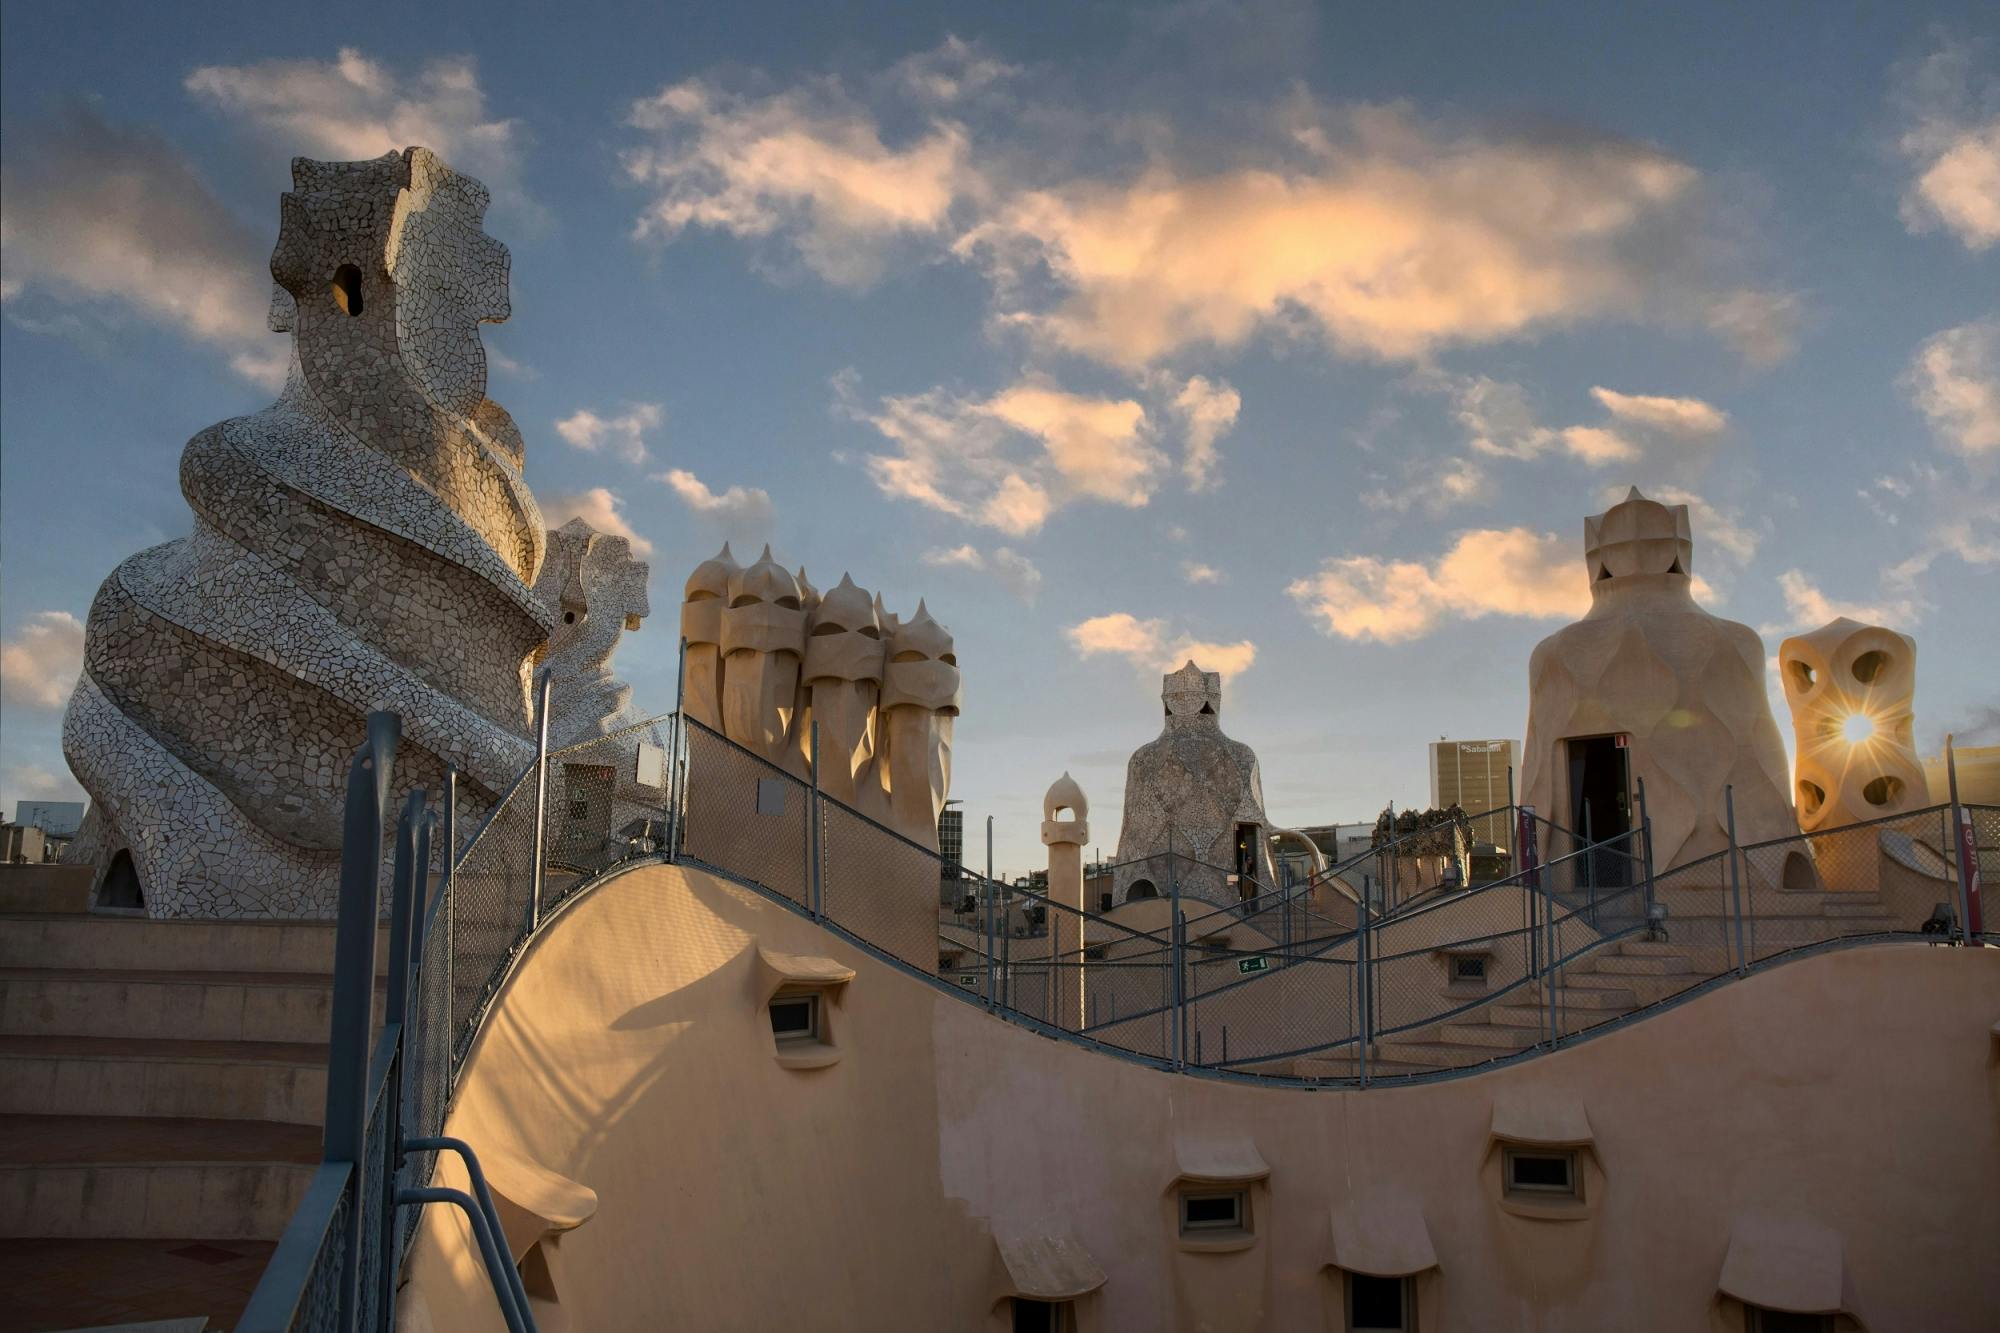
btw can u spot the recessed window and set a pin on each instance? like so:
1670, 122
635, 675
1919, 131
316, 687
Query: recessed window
1381, 1302
1756, 1319
1468, 969
795, 1018
1541, 1174
1031, 1316
1209, 1212
347, 289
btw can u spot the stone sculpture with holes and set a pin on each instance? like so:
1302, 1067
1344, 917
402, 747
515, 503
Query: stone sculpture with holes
594, 591
365, 542
768, 656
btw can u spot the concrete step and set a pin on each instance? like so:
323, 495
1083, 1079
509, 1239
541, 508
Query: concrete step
109, 1177
75, 940
127, 1076
1626, 965
1613, 995
196, 1006
1649, 949
1488, 1035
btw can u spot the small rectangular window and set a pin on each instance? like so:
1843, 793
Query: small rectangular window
795, 1018
1541, 1174
1469, 969
1213, 1210
1759, 1320
1381, 1303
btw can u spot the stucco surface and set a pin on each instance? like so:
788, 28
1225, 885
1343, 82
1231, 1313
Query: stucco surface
1856, 1091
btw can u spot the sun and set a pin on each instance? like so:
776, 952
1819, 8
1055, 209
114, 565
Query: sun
1857, 727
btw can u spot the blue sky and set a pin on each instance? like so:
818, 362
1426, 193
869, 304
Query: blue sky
1300, 340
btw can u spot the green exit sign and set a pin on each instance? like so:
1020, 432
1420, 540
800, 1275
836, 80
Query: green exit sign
1248, 965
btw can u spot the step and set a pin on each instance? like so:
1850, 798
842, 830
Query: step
187, 1284
198, 1006
107, 1177
1658, 966
1649, 949
72, 940
128, 1076
1617, 994
1487, 1034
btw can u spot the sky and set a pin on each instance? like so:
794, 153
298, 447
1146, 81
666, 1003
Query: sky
1295, 339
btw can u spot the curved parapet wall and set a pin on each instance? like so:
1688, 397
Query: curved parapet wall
366, 542
917, 1161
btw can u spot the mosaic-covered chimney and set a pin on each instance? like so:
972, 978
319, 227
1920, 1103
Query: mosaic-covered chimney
365, 542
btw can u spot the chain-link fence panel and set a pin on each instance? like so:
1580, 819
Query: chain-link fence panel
879, 885
493, 890
607, 803
1885, 877
746, 816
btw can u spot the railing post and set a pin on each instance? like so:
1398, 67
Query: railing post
368, 782
1646, 834
990, 892
1965, 851
405, 899
1366, 1008
543, 684
673, 810
815, 887
1735, 878
1177, 928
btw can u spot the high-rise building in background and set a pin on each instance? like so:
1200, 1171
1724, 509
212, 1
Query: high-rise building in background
951, 851
1473, 776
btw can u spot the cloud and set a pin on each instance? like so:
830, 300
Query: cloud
741, 508
1432, 487
1500, 422
354, 107
809, 164
1509, 572
1014, 571
939, 557
601, 508
1383, 234
1388, 237
1597, 446
1197, 573
1147, 644
115, 218
623, 436
1675, 416
1954, 380
40, 664
1950, 143
1808, 608
1762, 326
32, 782
1208, 409
1010, 460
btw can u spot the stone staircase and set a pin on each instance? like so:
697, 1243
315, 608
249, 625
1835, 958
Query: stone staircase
158, 1079
1614, 980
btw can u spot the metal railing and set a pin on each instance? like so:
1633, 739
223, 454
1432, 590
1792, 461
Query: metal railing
567, 818
1298, 986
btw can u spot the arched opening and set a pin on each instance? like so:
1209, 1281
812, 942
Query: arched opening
1801, 674
121, 884
1811, 797
1798, 875
1870, 665
347, 289
1882, 791
1141, 888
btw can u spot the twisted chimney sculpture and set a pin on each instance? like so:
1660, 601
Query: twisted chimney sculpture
768, 655
365, 542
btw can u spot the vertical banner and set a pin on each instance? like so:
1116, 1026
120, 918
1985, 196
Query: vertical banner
1968, 869
1524, 838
